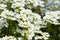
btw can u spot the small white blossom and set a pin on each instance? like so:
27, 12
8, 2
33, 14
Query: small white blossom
45, 35
17, 5
3, 6
20, 38
3, 23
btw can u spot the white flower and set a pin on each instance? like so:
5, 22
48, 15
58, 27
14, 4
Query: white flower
4, 1
20, 38
8, 38
36, 3
17, 5
8, 15
3, 6
45, 35
30, 22
25, 24
52, 17
3, 23
39, 2
38, 37
18, 0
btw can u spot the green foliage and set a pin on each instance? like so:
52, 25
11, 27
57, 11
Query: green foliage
53, 30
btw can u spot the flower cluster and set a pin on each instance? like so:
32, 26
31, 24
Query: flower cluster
29, 21
24, 21
53, 17
19, 4
8, 15
8, 38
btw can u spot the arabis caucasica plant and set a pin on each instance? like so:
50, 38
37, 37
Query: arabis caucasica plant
19, 22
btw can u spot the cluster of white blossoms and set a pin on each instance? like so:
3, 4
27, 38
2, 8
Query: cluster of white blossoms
52, 17
34, 2
29, 23
19, 4
8, 15
27, 19
8, 38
